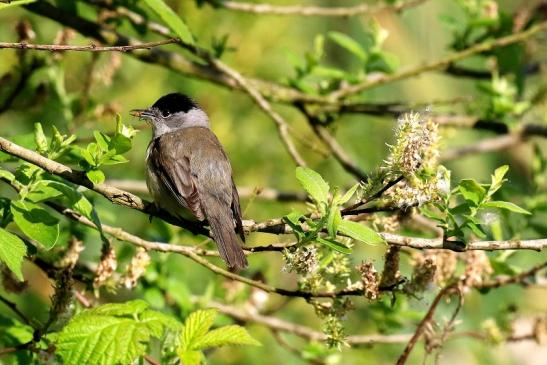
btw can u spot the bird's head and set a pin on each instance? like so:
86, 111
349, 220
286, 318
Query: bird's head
172, 112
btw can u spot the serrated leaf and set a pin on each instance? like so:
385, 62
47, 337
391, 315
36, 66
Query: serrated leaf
106, 340
360, 232
505, 205
111, 334
349, 44
314, 184
472, 191
12, 252
95, 176
36, 222
171, 19
190, 357
333, 244
134, 307
196, 325
227, 335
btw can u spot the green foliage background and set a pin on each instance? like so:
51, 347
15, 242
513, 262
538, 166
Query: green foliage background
261, 46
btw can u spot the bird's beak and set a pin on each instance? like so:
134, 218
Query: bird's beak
143, 113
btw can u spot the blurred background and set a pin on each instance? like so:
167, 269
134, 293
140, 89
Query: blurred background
79, 92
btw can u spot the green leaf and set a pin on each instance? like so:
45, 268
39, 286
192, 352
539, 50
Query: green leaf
348, 195
36, 222
171, 19
472, 191
333, 244
15, 3
227, 335
44, 190
95, 176
190, 357
314, 184
360, 232
12, 252
333, 221
349, 44
110, 334
498, 179
196, 325
506, 205
40, 138
5, 174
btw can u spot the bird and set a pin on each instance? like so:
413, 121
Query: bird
190, 176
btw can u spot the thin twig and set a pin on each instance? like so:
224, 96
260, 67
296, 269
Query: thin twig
274, 226
515, 279
302, 331
88, 48
254, 93
302, 10
427, 318
11, 305
438, 64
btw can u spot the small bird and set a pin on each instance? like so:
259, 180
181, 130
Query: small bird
189, 174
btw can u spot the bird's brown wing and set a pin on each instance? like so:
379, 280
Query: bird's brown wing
171, 163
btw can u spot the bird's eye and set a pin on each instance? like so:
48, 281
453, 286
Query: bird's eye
165, 113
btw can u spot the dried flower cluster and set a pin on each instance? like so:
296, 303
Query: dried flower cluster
477, 268
369, 278
302, 260
75, 247
106, 267
422, 275
391, 274
61, 309
136, 268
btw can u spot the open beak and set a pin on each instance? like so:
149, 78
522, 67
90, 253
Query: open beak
142, 113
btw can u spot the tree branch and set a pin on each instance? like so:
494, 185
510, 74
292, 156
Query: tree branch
88, 48
274, 226
302, 10
302, 331
427, 318
438, 64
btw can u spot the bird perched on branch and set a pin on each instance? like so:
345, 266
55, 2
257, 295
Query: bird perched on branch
189, 174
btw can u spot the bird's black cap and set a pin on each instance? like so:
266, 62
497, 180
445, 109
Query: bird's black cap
174, 103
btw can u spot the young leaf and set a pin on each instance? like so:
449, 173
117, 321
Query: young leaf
360, 232
348, 195
12, 252
36, 222
333, 221
196, 325
110, 334
472, 191
40, 138
507, 206
335, 245
171, 19
349, 44
227, 335
96, 176
314, 184
498, 179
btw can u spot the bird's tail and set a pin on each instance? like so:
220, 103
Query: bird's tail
222, 228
